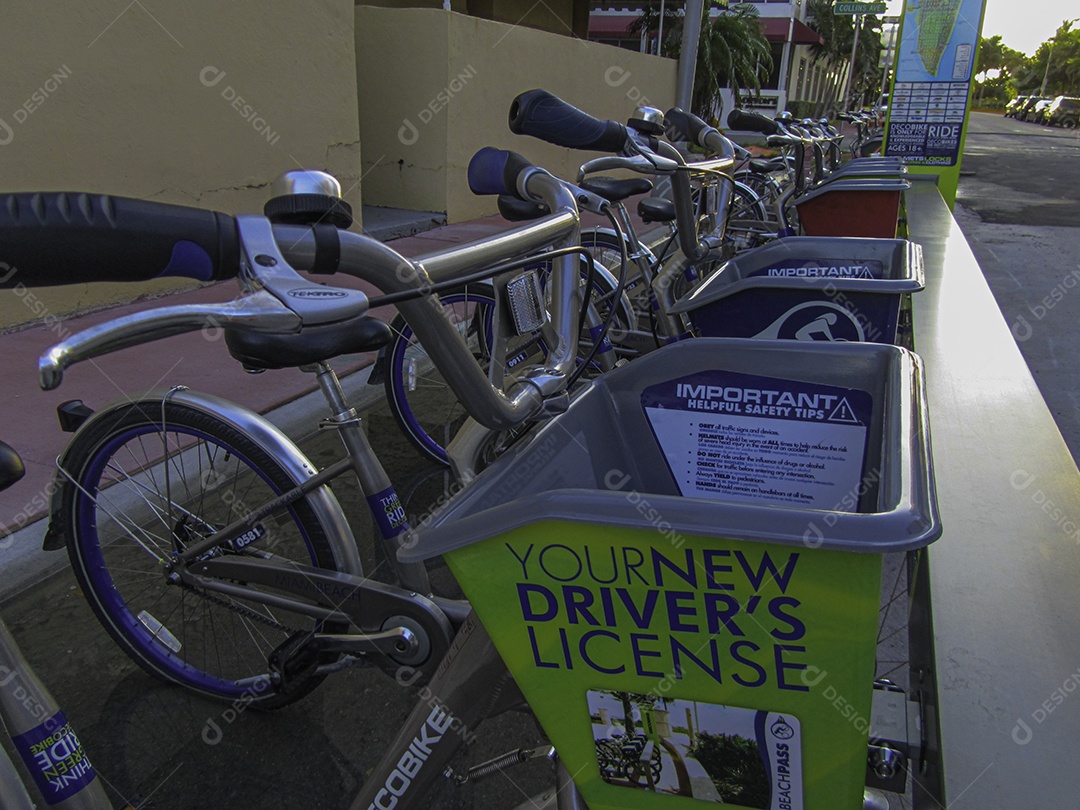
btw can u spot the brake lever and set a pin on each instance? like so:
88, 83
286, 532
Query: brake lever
258, 312
264, 266
635, 163
661, 165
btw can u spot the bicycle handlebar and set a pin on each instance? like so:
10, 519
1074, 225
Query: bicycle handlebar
276, 298
698, 131
56, 238
752, 122
542, 115
497, 171
688, 125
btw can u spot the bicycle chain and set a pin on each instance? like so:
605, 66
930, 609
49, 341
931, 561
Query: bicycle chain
238, 608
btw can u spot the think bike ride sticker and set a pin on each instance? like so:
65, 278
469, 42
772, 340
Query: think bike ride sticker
388, 512
705, 751
729, 436
55, 758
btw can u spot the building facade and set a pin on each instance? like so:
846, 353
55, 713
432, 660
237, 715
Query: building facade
784, 24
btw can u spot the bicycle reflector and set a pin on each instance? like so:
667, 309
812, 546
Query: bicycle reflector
525, 297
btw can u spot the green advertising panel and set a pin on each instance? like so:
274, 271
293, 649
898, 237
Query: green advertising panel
931, 90
670, 669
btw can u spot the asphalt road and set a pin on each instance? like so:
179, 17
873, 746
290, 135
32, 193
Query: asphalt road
147, 740
1019, 173
1019, 206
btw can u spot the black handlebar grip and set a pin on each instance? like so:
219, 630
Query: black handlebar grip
496, 171
549, 118
687, 124
752, 122
54, 238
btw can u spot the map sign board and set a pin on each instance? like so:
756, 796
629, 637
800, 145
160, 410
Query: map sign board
930, 95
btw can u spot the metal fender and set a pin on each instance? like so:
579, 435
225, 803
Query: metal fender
274, 442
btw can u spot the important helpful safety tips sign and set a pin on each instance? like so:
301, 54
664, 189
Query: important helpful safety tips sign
740, 437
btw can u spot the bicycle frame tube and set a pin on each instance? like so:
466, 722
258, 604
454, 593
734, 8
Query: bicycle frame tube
375, 484
391, 272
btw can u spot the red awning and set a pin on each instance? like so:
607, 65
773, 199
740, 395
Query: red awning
776, 30
613, 26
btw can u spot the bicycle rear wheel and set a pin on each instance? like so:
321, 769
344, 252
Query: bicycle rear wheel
142, 482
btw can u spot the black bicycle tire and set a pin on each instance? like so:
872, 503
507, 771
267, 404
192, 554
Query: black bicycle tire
81, 460
401, 409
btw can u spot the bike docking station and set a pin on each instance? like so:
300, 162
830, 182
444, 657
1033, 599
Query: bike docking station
810, 288
682, 572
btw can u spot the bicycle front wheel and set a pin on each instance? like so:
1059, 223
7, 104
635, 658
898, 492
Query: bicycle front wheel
421, 401
142, 482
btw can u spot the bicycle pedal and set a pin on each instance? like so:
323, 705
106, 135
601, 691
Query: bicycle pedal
296, 657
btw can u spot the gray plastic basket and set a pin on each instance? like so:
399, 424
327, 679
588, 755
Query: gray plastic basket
809, 288
569, 469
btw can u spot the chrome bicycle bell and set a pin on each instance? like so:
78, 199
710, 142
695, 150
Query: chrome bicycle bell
303, 197
648, 120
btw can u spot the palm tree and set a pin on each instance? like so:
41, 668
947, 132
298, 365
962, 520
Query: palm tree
733, 53
838, 31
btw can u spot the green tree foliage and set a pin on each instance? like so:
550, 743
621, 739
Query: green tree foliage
732, 54
993, 91
735, 766
838, 33
1026, 73
1062, 53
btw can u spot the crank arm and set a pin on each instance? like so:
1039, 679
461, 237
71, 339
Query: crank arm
373, 607
395, 641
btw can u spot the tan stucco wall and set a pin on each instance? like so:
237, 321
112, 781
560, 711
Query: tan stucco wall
200, 103
401, 64
451, 90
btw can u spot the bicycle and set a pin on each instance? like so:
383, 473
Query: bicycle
48, 746
720, 215
705, 200
423, 404
195, 495
421, 401
236, 562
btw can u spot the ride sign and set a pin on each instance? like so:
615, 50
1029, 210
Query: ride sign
929, 102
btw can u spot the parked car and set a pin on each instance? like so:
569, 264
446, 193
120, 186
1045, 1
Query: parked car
1015, 106
1034, 113
1022, 109
1063, 112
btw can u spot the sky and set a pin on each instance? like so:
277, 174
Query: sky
1022, 24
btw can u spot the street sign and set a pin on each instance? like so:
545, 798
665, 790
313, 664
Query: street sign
859, 8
